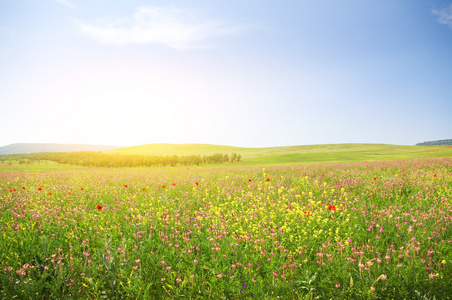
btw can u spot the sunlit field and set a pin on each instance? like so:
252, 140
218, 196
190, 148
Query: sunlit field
368, 230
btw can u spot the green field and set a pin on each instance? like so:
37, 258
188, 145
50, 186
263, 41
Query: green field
270, 156
291, 155
345, 221
366, 230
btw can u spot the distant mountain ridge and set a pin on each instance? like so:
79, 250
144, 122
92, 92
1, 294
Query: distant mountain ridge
436, 143
51, 147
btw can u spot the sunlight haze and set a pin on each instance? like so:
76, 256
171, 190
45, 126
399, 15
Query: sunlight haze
239, 73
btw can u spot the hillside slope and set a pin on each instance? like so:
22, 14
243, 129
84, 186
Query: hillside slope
295, 154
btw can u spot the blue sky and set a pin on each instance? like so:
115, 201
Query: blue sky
243, 73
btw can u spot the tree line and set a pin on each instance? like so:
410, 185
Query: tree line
99, 159
436, 143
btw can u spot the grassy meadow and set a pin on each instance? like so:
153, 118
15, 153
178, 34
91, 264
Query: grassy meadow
295, 155
366, 230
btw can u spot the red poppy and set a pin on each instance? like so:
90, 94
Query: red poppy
68, 193
23, 188
99, 207
434, 175
40, 189
144, 189
125, 185
49, 194
375, 178
10, 190
268, 179
173, 184
81, 189
14, 189
332, 207
196, 183
249, 180
163, 186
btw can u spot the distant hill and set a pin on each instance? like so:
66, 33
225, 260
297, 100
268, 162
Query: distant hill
38, 147
285, 155
436, 143
331, 153
178, 149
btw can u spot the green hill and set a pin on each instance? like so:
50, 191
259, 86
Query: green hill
329, 153
177, 149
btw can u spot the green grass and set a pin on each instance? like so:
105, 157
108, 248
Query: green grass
270, 156
312, 154
373, 230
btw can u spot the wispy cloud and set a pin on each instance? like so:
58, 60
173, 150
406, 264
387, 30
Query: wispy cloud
66, 3
444, 15
170, 26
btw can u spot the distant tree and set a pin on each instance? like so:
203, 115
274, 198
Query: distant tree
436, 143
173, 160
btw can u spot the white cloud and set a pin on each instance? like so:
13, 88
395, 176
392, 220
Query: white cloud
444, 15
170, 26
66, 3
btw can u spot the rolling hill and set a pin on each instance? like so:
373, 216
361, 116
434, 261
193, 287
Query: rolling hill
329, 153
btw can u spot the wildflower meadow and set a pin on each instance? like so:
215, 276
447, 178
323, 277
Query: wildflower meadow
368, 230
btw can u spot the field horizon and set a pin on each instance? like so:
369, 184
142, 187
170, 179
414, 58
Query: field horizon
265, 156
289, 155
